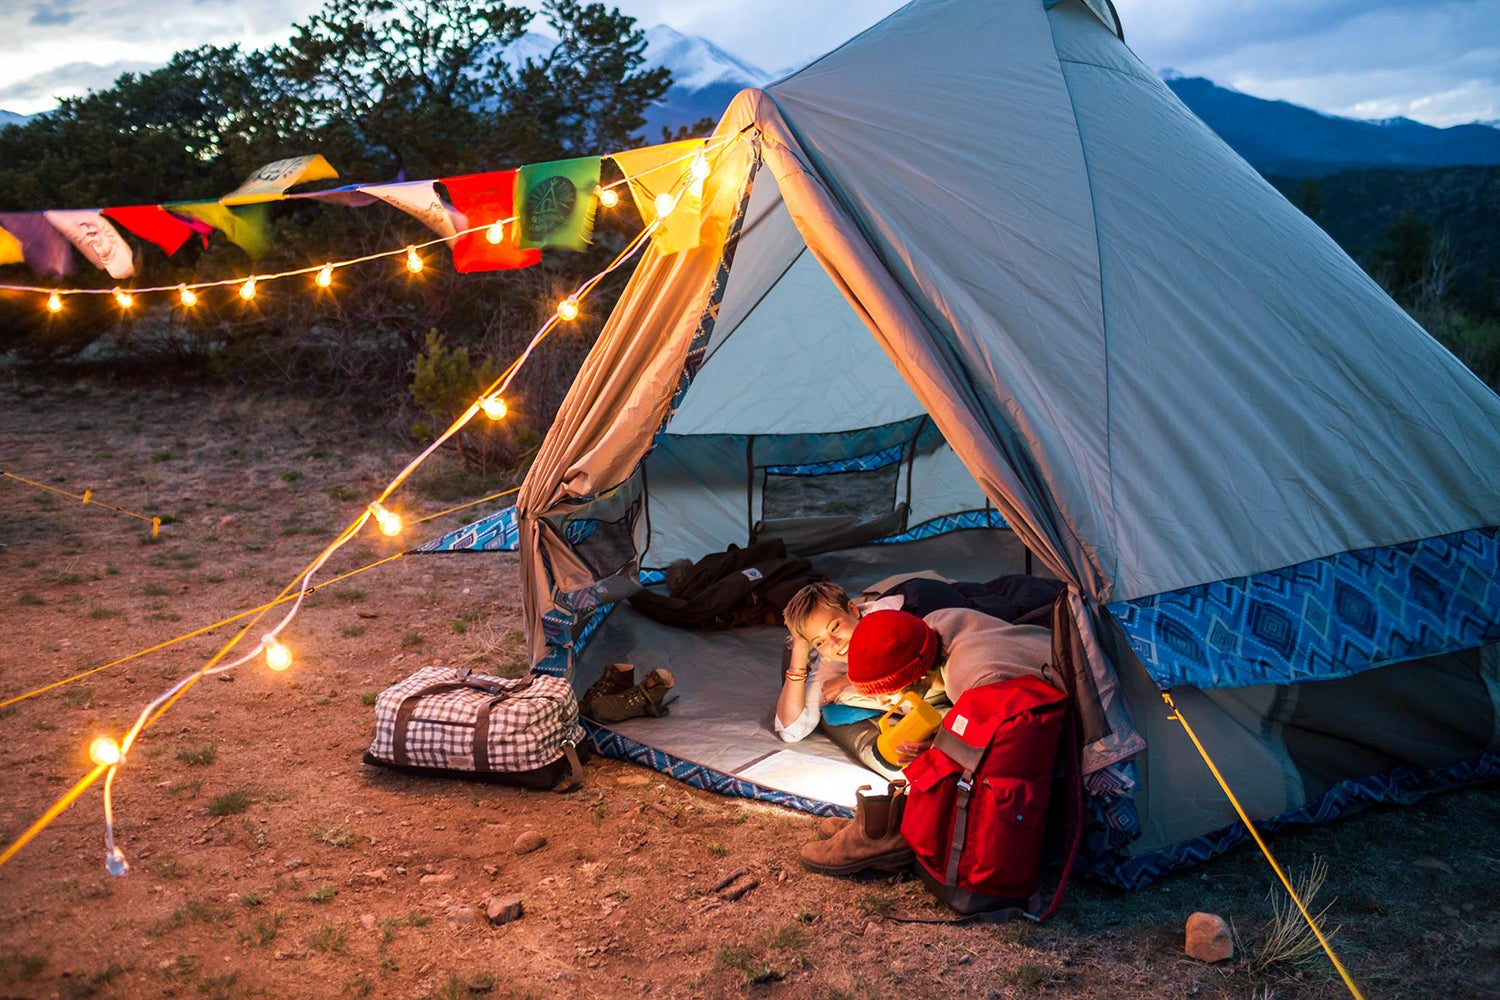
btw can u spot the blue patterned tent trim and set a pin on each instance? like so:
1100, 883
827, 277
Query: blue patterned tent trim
612, 744
1402, 786
499, 532
650, 576
577, 531
864, 463
945, 524
561, 654
1325, 618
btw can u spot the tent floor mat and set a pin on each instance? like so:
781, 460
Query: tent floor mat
719, 732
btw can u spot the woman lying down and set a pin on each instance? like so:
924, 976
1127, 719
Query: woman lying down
975, 634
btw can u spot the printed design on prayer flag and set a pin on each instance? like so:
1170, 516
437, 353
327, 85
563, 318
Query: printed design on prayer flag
557, 203
98, 241
418, 199
269, 183
549, 206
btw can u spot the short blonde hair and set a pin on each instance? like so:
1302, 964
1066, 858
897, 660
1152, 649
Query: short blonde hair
823, 594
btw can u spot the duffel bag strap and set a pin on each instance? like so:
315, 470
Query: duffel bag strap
408, 707
482, 744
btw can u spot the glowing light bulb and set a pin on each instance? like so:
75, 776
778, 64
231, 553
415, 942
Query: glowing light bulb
496, 232
104, 751
124, 298
700, 168
187, 295
325, 276
664, 204
494, 407
608, 197
278, 657
247, 290
413, 260
567, 309
54, 303
389, 521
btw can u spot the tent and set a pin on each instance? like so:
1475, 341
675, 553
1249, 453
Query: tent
982, 257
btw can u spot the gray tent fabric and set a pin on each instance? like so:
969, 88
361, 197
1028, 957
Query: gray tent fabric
1091, 319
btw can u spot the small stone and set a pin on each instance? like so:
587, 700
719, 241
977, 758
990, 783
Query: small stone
492, 870
367, 921
436, 879
871, 929
1435, 864
1448, 909
463, 914
1208, 938
636, 780
400, 870
502, 909
232, 898
530, 841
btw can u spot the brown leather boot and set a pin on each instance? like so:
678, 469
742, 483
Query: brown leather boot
872, 840
829, 826
646, 698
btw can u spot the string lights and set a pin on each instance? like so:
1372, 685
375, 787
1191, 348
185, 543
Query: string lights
187, 296
278, 657
106, 754
496, 233
389, 522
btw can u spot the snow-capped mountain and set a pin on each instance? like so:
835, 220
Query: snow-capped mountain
11, 118
704, 79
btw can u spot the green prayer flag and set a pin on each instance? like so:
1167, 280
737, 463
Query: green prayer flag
248, 228
556, 203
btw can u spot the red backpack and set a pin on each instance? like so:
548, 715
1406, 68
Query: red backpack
977, 800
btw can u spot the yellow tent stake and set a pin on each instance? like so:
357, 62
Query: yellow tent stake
86, 497
1317, 932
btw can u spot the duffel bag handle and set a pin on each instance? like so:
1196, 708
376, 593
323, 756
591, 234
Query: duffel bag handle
408, 706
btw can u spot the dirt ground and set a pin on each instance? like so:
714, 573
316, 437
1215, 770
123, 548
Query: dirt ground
268, 861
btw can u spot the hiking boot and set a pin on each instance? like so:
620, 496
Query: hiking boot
646, 698
871, 840
829, 826
615, 677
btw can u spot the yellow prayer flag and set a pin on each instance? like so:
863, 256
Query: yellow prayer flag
270, 182
665, 173
10, 249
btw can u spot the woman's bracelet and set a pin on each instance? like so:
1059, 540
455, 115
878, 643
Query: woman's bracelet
796, 677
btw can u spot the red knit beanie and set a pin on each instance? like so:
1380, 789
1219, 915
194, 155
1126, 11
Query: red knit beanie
890, 651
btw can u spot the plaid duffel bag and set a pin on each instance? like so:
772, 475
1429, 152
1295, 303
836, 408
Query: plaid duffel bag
450, 721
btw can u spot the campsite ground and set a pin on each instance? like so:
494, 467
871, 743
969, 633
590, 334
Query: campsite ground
266, 860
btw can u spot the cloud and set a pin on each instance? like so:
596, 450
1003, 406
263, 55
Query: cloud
71, 80
52, 15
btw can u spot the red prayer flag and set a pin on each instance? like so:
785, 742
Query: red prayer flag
482, 199
154, 224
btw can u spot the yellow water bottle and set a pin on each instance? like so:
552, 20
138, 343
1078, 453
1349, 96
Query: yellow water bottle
916, 726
